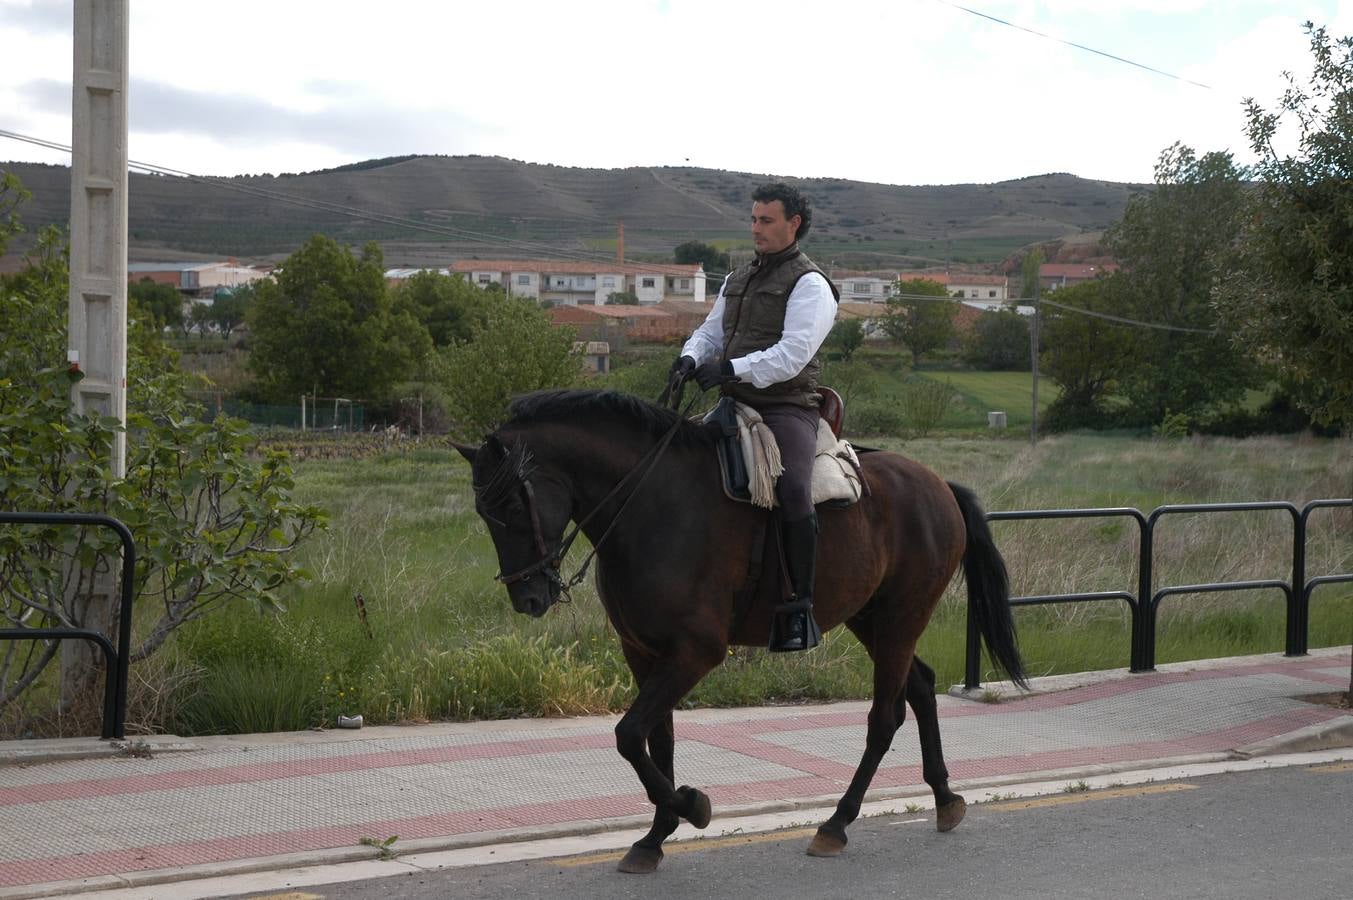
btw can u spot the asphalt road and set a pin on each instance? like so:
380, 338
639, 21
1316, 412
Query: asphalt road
1260, 834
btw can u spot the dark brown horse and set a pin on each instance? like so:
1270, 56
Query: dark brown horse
673, 574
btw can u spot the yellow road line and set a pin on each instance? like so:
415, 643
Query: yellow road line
290, 895
1087, 796
1333, 767
735, 840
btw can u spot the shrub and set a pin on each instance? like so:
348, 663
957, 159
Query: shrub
212, 524
924, 403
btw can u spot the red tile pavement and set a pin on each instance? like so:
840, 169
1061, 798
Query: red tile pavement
1180, 734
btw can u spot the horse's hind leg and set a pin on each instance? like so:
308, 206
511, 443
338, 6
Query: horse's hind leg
891, 664
920, 693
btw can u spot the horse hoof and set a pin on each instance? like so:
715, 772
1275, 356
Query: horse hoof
697, 810
640, 860
950, 814
826, 844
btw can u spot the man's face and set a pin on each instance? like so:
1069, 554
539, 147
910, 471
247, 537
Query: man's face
771, 231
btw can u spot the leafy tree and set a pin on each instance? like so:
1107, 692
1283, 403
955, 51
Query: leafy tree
1029, 272
1086, 356
1289, 289
716, 264
213, 523
325, 324
12, 196
199, 318
999, 341
515, 349
229, 308
162, 302
922, 323
1171, 243
846, 336
623, 298
447, 305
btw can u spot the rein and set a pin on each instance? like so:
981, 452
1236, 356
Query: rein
549, 563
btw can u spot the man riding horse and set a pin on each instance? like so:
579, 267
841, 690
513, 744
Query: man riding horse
759, 345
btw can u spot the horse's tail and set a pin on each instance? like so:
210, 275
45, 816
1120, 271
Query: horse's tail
988, 587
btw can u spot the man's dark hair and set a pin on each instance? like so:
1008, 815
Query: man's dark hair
795, 203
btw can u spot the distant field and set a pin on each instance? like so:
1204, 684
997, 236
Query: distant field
981, 392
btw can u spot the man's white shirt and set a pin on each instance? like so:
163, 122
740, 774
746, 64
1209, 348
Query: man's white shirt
810, 313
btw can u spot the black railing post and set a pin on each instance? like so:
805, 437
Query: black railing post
1144, 637
972, 656
1298, 601
116, 660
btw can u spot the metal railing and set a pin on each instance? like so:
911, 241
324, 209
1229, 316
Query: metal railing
116, 659
1144, 604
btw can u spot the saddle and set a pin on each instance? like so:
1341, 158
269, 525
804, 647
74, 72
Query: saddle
749, 460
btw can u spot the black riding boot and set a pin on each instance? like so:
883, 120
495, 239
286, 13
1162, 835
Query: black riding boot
792, 626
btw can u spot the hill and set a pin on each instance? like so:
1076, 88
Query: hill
430, 209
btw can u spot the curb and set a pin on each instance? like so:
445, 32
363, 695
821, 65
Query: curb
33, 752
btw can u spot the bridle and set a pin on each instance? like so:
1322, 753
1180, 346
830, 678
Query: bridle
514, 473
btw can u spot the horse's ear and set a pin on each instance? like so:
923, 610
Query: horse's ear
467, 452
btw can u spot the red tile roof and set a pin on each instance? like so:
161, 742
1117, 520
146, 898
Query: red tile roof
1074, 270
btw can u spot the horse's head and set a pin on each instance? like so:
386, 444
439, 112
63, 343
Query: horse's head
526, 512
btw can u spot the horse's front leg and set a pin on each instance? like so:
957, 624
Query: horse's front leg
646, 853
648, 725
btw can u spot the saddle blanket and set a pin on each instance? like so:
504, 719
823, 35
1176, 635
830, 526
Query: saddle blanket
837, 478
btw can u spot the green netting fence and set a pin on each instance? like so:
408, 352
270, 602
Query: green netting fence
323, 414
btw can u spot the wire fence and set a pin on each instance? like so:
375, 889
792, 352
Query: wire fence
317, 413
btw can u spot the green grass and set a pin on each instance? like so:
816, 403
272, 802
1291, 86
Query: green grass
441, 642
981, 392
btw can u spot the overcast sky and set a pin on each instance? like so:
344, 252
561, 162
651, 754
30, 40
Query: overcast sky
893, 91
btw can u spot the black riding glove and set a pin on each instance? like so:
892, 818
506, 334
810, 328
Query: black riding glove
682, 365
713, 374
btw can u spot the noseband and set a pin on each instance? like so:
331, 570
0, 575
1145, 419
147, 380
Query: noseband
514, 473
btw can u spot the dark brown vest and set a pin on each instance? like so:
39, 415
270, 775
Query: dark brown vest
755, 296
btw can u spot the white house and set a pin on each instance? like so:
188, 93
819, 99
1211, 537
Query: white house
864, 287
584, 283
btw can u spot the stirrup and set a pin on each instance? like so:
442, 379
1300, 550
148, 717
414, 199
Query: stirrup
793, 628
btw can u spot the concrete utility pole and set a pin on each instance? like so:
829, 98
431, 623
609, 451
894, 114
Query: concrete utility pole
98, 256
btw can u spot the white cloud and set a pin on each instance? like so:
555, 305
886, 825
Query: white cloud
914, 92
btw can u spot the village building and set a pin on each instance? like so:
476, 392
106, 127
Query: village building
197, 281
586, 283
1052, 276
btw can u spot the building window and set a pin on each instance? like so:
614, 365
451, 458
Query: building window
608, 282
860, 287
523, 279
485, 279
684, 284
560, 282
649, 282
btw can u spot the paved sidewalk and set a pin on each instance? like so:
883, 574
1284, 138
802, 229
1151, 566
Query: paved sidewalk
76, 816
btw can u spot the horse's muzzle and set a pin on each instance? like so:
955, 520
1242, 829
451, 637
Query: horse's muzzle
535, 601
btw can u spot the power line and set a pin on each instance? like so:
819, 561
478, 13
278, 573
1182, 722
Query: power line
1050, 37
1125, 321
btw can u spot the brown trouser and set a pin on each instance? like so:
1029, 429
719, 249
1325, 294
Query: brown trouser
795, 430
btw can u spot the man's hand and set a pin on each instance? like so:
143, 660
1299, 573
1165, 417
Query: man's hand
713, 374
683, 365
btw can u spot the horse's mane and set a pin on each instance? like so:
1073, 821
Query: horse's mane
589, 405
